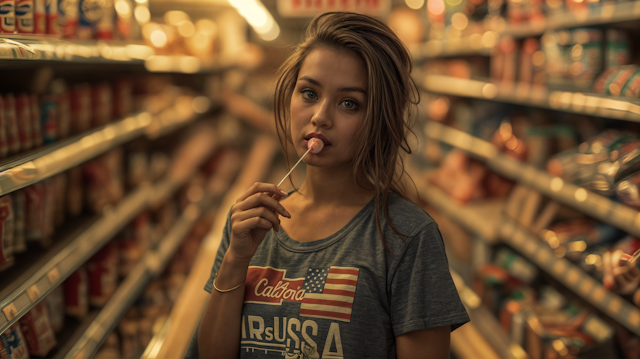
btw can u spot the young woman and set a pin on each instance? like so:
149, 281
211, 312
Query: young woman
345, 266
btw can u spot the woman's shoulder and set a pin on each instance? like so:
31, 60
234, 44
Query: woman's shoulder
406, 216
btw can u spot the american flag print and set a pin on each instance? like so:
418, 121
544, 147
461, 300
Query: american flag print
329, 293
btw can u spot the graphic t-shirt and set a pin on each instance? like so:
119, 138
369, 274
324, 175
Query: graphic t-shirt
344, 296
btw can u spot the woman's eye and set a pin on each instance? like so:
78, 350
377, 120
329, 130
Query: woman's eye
309, 95
349, 104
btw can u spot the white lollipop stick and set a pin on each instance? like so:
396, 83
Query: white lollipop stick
315, 145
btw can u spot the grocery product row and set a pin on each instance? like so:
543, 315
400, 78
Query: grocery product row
474, 27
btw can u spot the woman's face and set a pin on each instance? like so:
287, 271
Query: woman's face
329, 102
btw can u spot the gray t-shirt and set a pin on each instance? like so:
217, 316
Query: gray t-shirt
344, 296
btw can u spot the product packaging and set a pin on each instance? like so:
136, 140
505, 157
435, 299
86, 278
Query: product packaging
7, 16
23, 114
36, 124
13, 137
55, 307
81, 111
91, 12
102, 102
102, 269
13, 344
20, 215
36, 212
6, 231
49, 118
39, 17
75, 193
76, 293
68, 12
4, 145
37, 330
24, 16
51, 9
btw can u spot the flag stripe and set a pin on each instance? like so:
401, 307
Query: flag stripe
339, 292
340, 298
342, 281
326, 308
343, 276
334, 303
351, 288
338, 270
323, 314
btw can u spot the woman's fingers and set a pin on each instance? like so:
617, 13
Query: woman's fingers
262, 200
257, 212
262, 187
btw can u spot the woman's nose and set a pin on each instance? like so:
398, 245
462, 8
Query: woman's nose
322, 115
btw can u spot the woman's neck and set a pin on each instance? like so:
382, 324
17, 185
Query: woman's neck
326, 186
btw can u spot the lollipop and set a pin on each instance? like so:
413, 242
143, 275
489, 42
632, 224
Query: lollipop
314, 145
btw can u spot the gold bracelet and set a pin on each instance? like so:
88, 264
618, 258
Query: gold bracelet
225, 290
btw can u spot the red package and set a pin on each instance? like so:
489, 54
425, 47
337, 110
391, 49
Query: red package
75, 194
36, 126
96, 184
6, 231
60, 198
35, 220
23, 113
4, 145
101, 101
76, 293
36, 327
80, 108
49, 207
13, 138
13, 344
55, 306
63, 121
39, 17
102, 269
19, 214
123, 98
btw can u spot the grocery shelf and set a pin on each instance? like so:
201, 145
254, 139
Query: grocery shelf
480, 218
150, 266
619, 108
65, 262
570, 275
476, 44
54, 49
590, 203
604, 14
486, 323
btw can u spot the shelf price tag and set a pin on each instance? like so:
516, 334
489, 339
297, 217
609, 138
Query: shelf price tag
34, 293
10, 311
53, 275
615, 304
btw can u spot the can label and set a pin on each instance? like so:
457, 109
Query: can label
7, 16
68, 12
39, 17
49, 114
51, 9
24, 16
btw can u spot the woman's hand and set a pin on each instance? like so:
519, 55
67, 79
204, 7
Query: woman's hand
620, 275
254, 214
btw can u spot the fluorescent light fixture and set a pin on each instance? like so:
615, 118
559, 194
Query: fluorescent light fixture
258, 17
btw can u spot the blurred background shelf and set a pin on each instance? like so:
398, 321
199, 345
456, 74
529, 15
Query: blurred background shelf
583, 200
620, 108
571, 276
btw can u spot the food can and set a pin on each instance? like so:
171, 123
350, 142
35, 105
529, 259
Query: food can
13, 138
76, 293
69, 17
80, 108
23, 113
51, 9
105, 28
36, 126
24, 16
6, 232
20, 217
7, 16
91, 12
4, 146
48, 122
39, 17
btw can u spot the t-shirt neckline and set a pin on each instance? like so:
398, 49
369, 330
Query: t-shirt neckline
295, 246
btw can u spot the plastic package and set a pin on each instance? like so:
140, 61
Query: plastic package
13, 344
37, 330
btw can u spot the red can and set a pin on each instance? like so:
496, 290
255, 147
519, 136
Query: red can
76, 293
101, 101
35, 219
24, 16
80, 108
19, 214
6, 231
13, 138
123, 97
68, 11
36, 126
4, 146
63, 121
39, 17
7, 16
23, 112
51, 9
102, 269
49, 118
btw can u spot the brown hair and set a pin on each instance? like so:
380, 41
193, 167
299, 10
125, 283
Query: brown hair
392, 94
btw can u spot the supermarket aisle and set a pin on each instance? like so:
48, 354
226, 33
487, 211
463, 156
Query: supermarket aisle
127, 130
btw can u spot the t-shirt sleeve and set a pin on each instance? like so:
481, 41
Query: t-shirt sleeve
224, 245
422, 292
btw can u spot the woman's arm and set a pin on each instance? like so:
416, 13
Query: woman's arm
424, 344
254, 214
